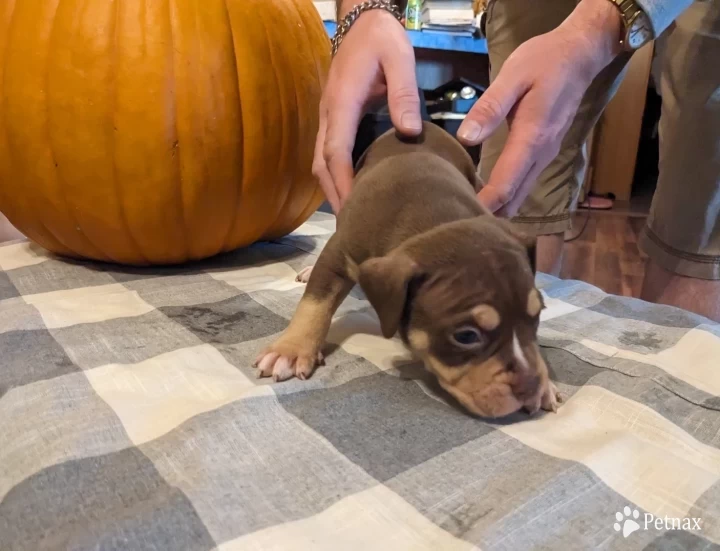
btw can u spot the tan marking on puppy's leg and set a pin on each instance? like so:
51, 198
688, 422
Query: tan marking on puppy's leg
419, 340
298, 350
351, 269
486, 317
534, 303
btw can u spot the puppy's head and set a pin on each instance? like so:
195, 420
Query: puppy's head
473, 320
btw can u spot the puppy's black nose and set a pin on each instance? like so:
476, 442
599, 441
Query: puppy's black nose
525, 386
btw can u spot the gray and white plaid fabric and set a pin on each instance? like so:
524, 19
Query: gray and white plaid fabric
130, 419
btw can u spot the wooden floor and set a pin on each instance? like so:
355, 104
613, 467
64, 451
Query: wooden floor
606, 254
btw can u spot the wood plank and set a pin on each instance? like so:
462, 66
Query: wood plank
579, 262
606, 254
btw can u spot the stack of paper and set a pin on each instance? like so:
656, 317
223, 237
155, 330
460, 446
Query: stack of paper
326, 9
449, 16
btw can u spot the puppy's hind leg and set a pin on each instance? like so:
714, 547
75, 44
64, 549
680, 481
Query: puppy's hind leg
298, 350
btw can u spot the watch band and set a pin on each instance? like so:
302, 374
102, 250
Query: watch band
627, 8
629, 13
344, 26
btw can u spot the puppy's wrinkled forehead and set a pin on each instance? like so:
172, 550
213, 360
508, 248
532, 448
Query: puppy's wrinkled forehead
504, 307
492, 294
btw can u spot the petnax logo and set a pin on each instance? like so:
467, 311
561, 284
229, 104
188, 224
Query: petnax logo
629, 522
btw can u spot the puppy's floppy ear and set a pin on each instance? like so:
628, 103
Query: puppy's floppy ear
385, 282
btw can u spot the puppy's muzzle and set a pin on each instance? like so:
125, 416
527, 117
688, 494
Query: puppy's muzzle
526, 386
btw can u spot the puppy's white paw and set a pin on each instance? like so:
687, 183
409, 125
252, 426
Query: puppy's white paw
283, 361
551, 398
304, 274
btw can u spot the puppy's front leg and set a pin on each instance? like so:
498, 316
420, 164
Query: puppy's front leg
298, 351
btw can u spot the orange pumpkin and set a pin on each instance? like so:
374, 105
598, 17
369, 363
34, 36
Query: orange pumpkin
158, 131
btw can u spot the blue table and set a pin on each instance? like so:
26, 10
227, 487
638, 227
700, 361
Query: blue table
437, 41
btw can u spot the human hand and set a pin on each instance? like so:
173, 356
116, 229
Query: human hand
538, 90
375, 60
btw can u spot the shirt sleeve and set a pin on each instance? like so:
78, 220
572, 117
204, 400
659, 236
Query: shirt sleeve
663, 12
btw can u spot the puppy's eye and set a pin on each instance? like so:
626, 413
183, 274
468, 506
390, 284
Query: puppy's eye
468, 337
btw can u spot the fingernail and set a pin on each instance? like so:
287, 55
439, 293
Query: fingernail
411, 121
470, 131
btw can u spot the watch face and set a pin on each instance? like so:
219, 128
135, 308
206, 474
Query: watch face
639, 32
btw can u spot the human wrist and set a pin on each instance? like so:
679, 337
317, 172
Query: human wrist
372, 15
596, 26
344, 6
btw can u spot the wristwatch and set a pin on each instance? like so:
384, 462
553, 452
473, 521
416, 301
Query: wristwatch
637, 28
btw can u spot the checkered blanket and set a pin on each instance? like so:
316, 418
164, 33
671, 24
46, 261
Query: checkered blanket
130, 418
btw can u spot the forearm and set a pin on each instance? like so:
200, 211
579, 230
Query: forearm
599, 25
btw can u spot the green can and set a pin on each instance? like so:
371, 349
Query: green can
413, 15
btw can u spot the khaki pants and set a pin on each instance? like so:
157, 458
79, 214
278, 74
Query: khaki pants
683, 230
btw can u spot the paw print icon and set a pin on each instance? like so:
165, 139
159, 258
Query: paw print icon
627, 521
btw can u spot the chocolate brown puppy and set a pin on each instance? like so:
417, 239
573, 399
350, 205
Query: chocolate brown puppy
453, 281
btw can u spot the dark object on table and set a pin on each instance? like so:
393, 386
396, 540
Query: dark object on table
376, 123
448, 104
434, 106
455, 96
